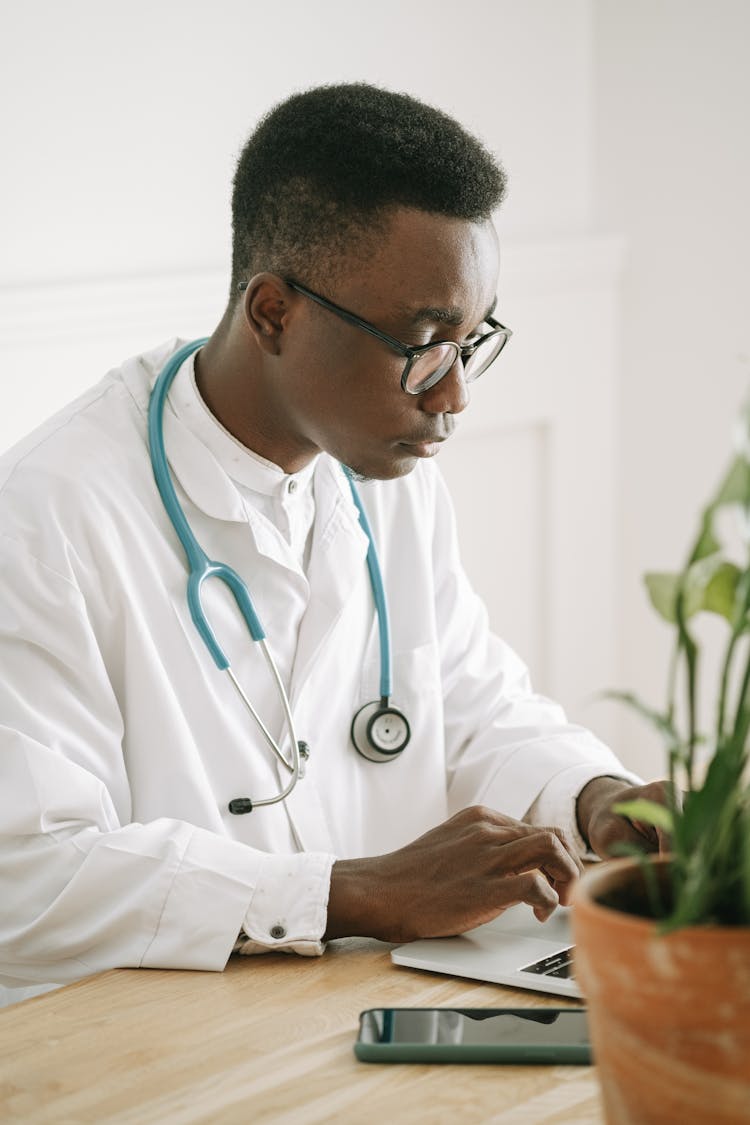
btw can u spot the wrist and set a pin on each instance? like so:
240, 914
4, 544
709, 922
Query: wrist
352, 900
597, 792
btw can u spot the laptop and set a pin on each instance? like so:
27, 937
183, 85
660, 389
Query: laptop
514, 949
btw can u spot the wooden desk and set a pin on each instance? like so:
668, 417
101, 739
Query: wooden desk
268, 1040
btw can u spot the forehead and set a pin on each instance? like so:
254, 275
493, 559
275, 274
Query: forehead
423, 266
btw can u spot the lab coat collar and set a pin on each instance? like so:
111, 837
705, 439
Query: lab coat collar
243, 465
196, 466
193, 465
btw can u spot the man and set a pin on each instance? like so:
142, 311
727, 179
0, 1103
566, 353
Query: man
361, 232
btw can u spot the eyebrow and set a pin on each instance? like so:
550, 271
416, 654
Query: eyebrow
432, 314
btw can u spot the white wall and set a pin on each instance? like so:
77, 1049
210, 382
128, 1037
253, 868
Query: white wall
121, 122
672, 171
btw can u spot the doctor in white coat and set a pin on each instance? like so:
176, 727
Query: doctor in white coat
121, 743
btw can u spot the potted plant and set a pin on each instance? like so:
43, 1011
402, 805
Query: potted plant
663, 943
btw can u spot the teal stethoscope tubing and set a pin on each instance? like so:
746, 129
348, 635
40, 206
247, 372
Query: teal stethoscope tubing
201, 567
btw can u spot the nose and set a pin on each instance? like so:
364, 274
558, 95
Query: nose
450, 395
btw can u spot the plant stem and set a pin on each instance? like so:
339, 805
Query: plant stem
739, 626
672, 680
741, 716
728, 659
689, 647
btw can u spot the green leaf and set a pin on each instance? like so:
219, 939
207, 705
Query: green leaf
721, 592
735, 488
650, 812
620, 849
707, 810
662, 589
708, 585
707, 543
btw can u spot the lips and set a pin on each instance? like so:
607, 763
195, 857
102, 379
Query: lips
426, 439
423, 448
427, 445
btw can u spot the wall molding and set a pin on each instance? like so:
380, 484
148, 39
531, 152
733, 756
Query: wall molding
174, 303
46, 314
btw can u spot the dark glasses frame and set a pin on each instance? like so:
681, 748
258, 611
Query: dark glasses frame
409, 352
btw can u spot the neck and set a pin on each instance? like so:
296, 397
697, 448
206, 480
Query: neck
232, 381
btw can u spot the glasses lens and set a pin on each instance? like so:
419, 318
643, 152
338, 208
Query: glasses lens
429, 366
487, 351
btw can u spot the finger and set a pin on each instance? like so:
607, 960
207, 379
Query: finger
649, 835
532, 889
542, 850
569, 846
565, 890
520, 830
482, 814
649, 832
614, 829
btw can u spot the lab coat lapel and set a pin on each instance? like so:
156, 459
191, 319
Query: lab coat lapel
337, 564
211, 490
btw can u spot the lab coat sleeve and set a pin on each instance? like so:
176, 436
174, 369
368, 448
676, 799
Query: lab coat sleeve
83, 889
556, 804
507, 747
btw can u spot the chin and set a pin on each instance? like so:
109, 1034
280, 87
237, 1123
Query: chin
397, 468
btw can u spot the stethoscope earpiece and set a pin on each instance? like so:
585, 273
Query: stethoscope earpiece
380, 732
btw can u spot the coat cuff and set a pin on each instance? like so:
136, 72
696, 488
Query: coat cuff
556, 804
289, 907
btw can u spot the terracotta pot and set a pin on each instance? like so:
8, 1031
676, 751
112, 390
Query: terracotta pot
669, 1015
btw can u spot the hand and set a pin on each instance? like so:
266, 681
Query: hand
602, 828
459, 875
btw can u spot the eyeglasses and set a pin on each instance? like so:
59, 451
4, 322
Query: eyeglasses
426, 364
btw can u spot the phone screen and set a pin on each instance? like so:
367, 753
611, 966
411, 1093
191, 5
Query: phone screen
480, 1034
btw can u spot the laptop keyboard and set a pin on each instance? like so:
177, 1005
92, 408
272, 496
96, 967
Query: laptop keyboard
558, 965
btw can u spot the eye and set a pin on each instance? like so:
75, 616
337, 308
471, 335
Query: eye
422, 343
481, 329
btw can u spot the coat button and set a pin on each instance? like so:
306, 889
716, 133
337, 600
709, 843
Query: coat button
278, 932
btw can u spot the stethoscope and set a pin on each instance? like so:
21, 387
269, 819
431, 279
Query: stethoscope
379, 731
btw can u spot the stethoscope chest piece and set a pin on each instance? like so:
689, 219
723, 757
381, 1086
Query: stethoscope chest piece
380, 732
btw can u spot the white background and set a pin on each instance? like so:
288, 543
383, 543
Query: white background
121, 124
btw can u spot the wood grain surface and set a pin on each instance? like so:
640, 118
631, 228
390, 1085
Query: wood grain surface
268, 1040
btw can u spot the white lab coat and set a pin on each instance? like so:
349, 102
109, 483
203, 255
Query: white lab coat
121, 744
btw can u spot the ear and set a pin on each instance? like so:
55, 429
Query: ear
266, 306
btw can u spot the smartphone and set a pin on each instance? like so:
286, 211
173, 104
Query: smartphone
474, 1035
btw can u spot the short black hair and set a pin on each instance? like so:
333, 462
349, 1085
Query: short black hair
324, 166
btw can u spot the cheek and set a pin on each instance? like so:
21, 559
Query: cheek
374, 402
316, 374
356, 388
347, 380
